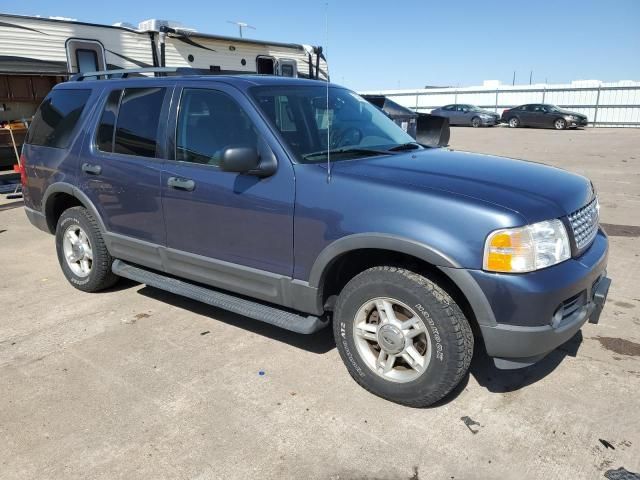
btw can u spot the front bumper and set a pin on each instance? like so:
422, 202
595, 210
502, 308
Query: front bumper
582, 122
489, 121
539, 311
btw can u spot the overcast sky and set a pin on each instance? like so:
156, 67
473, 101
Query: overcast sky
407, 44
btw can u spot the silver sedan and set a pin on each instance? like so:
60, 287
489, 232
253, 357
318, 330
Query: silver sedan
464, 114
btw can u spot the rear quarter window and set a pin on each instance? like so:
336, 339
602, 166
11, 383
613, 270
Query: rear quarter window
56, 119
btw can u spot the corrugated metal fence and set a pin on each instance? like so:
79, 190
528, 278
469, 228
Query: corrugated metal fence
605, 104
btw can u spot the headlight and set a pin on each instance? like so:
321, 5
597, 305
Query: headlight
528, 248
573, 117
485, 116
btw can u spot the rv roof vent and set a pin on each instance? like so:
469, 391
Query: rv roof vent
154, 24
125, 25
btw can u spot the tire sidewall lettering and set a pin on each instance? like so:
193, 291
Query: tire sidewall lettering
435, 333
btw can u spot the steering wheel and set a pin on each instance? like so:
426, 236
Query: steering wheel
349, 136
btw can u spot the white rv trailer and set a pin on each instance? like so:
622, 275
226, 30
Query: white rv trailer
36, 53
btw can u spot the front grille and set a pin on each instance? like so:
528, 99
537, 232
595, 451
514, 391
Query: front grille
584, 223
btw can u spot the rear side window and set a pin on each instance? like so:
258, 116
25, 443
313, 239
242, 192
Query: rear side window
130, 120
104, 138
55, 121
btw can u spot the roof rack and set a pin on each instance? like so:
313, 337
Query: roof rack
125, 72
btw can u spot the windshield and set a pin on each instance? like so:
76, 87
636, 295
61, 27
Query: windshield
356, 127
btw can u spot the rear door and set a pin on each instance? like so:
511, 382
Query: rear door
536, 115
121, 165
226, 229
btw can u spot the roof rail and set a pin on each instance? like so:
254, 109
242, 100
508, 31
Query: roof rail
125, 72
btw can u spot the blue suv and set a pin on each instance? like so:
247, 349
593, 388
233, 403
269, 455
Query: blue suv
298, 203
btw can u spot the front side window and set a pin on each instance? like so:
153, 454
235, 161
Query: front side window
209, 122
137, 121
56, 119
303, 114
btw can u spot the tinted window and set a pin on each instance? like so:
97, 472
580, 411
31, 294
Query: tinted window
55, 120
104, 138
449, 108
138, 119
209, 122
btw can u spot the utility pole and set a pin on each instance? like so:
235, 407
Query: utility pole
241, 25
530, 77
513, 82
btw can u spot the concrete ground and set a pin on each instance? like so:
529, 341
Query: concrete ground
137, 383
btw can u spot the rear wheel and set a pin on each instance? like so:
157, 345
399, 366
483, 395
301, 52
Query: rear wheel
401, 336
476, 122
560, 124
82, 253
514, 122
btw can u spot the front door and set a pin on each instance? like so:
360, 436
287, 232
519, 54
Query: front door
229, 230
120, 170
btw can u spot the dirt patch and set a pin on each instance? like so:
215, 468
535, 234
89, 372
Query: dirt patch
621, 230
620, 346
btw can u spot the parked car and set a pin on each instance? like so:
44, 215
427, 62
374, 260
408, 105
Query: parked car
464, 114
298, 203
543, 115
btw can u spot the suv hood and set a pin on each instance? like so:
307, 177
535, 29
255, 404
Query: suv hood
535, 191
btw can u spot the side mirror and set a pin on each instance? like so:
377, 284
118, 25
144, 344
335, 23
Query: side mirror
246, 160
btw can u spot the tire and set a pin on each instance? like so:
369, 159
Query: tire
440, 335
560, 124
83, 238
514, 122
476, 122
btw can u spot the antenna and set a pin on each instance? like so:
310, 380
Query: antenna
241, 25
326, 43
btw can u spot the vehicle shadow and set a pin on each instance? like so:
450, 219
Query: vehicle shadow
320, 342
502, 381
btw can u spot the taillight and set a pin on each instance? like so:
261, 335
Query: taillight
22, 170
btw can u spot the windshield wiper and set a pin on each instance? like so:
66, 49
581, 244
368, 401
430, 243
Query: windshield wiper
366, 151
405, 146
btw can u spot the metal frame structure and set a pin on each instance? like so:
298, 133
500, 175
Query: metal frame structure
542, 92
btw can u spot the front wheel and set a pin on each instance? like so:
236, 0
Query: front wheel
560, 124
476, 122
401, 336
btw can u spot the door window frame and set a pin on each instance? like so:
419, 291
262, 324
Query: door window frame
161, 134
246, 105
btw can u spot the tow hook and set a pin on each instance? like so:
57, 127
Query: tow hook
599, 298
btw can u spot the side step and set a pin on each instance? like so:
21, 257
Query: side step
257, 311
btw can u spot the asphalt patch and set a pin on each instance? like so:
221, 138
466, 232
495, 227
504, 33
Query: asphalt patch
620, 346
614, 230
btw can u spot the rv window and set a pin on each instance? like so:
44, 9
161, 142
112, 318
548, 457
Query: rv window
288, 68
265, 65
104, 137
57, 117
138, 120
210, 121
87, 60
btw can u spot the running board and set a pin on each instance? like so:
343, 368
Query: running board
257, 311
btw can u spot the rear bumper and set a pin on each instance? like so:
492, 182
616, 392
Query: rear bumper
537, 312
37, 219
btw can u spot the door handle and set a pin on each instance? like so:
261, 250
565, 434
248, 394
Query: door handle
181, 183
91, 169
